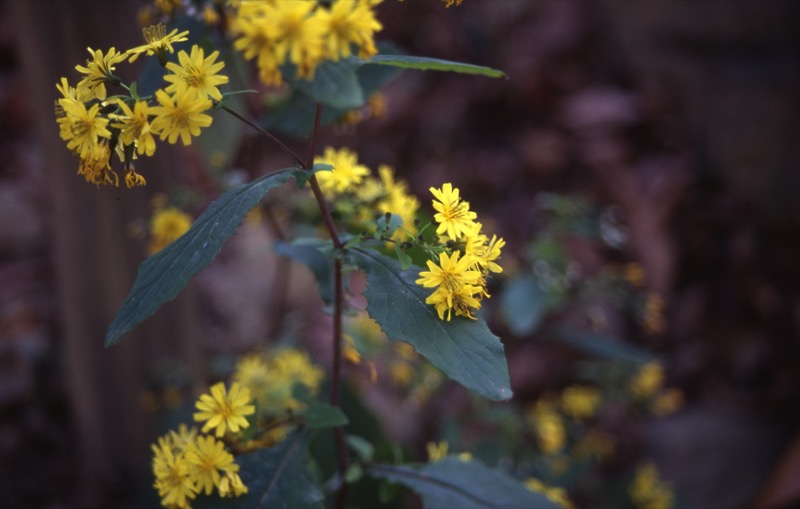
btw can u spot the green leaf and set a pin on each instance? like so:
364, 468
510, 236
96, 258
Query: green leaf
317, 414
361, 446
164, 274
296, 115
309, 253
389, 223
465, 350
601, 345
452, 483
334, 84
432, 64
523, 303
277, 477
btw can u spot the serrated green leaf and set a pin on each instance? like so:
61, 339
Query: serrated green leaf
432, 64
334, 84
452, 483
276, 478
308, 252
164, 274
465, 350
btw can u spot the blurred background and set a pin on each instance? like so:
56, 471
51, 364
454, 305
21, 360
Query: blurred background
641, 162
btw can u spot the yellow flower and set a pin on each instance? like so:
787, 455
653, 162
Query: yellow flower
158, 42
98, 71
223, 411
171, 471
298, 35
349, 22
548, 425
668, 402
135, 127
648, 491
453, 215
648, 380
346, 174
207, 459
455, 282
133, 179
231, 485
82, 128
397, 200
183, 437
257, 41
437, 451
555, 494
180, 115
461, 300
451, 273
197, 73
580, 401
96, 168
166, 226
483, 250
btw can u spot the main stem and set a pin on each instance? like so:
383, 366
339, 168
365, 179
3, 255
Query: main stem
338, 304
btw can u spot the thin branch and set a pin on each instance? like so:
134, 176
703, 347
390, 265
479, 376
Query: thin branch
266, 133
336, 374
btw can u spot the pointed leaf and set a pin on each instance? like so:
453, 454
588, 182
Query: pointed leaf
451, 483
164, 274
309, 252
334, 84
432, 64
276, 478
465, 350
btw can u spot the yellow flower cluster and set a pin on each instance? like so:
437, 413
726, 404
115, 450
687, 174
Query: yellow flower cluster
359, 196
460, 277
271, 377
648, 491
95, 125
303, 33
187, 463
647, 385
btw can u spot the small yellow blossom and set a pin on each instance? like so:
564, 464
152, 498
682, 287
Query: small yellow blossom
231, 485
580, 401
223, 411
171, 471
135, 128
668, 402
98, 71
346, 174
159, 42
347, 23
648, 380
548, 425
454, 280
166, 225
437, 451
180, 115
557, 495
197, 73
648, 491
453, 215
208, 460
